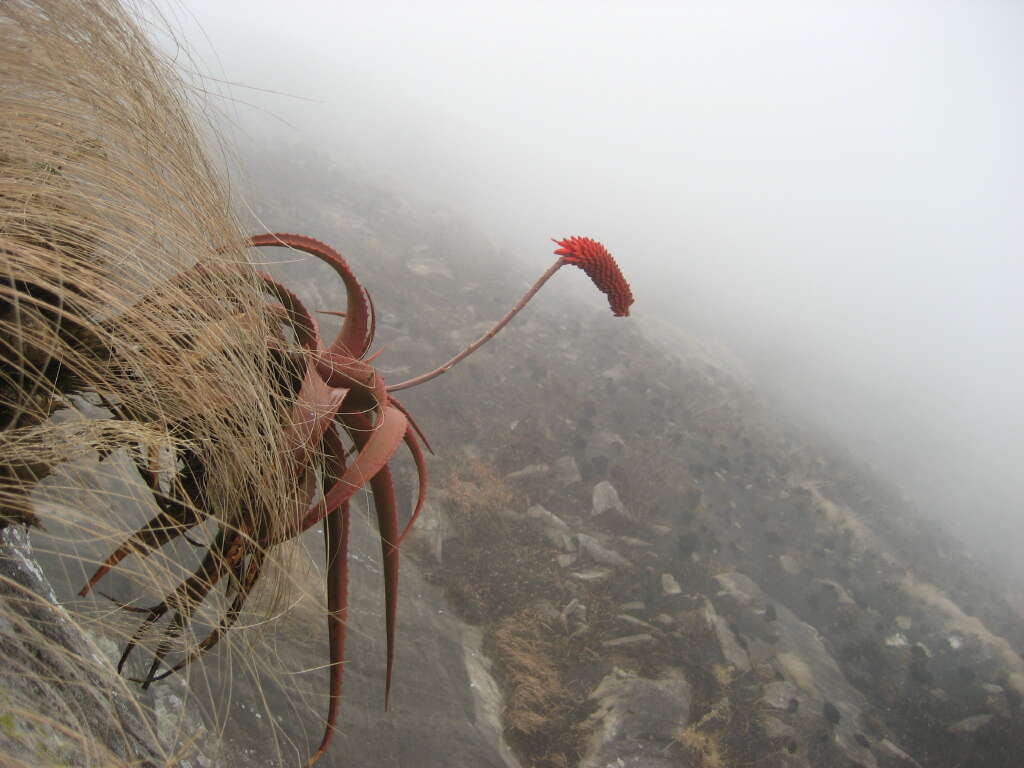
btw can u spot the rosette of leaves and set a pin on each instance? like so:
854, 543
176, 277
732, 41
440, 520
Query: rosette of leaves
343, 429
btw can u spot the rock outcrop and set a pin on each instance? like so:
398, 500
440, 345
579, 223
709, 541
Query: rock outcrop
637, 720
60, 699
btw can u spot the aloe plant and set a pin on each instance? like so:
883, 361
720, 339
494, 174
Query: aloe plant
344, 427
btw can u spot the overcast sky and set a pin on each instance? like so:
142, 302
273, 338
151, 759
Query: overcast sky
837, 184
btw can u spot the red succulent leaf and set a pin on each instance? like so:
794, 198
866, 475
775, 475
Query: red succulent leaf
421, 472
594, 259
314, 410
376, 443
376, 439
357, 331
306, 329
336, 534
167, 525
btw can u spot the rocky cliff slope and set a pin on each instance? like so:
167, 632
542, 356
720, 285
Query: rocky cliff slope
665, 571
629, 559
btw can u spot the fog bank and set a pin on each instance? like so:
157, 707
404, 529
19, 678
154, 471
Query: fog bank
836, 190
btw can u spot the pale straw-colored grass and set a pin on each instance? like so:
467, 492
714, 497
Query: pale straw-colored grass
113, 344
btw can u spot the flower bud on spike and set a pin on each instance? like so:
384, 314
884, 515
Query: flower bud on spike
594, 259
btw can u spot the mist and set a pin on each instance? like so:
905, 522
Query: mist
834, 191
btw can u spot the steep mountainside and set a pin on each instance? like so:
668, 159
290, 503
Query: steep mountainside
629, 557
664, 571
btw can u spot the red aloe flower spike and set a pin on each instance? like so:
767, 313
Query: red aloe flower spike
594, 259
590, 256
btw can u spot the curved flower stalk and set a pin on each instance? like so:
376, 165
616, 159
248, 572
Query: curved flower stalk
337, 394
583, 252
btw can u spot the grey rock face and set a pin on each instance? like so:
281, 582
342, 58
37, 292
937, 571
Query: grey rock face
637, 720
51, 668
432, 530
445, 706
812, 678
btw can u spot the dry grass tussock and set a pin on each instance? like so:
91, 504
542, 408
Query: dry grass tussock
116, 353
704, 739
477, 490
706, 748
539, 707
495, 565
495, 568
536, 693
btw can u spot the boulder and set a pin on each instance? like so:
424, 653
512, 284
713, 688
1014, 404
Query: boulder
636, 721
552, 527
669, 586
592, 576
566, 472
893, 755
630, 641
574, 616
601, 554
633, 621
631, 541
801, 658
789, 564
732, 651
606, 500
970, 724
529, 472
